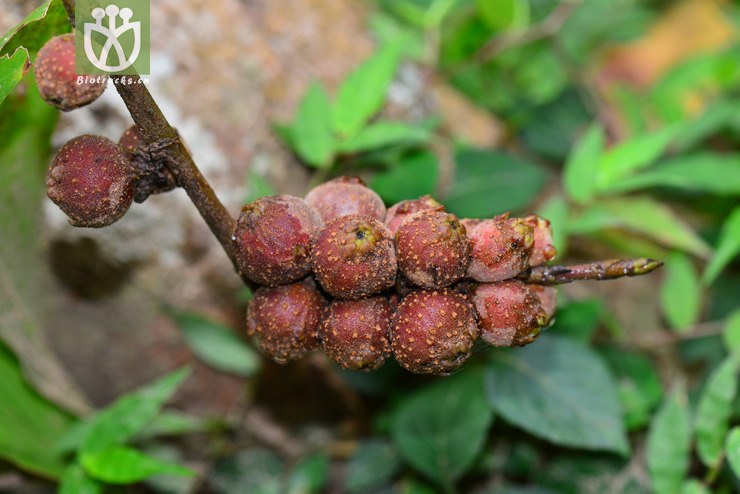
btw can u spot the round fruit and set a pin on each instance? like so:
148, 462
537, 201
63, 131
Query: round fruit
91, 180
509, 313
344, 196
57, 80
433, 332
131, 139
354, 333
285, 320
500, 249
402, 210
433, 249
353, 257
273, 237
543, 249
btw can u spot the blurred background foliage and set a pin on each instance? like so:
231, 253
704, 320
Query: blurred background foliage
618, 120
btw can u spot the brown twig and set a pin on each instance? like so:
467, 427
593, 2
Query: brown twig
156, 130
598, 270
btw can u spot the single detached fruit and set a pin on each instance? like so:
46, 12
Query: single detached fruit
500, 249
433, 332
91, 180
354, 333
343, 196
57, 81
509, 313
402, 210
543, 249
273, 237
285, 320
353, 257
433, 249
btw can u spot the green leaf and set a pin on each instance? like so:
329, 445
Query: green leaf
12, 70
442, 429
310, 476
713, 412
559, 390
372, 466
413, 176
728, 247
29, 424
76, 481
46, 21
680, 293
669, 445
631, 155
251, 470
217, 345
694, 486
381, 134
130, 414
732, 450
644, 216
638, 385
731, 334
171, 423
123, 465
363, 92
488, 183
311, 132
503, 14
556, 211
713, 173
578, 320
579, 175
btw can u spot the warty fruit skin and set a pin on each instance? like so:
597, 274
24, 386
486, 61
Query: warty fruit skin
343, 196
397, 213
500, 249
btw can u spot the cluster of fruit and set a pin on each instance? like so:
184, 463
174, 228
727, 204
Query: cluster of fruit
337, 271
341, 273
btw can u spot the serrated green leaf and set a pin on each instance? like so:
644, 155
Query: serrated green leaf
413, 176
680, 292
311, 131
638, 385
49, 19
559, 390
441, 429
632, 155
381, 134
488, 183
130, 414
372, 466
363, 92
12, 69
731, 333
714, 411
217, 345
728, 247
703, 172
76, 481
669, 445
123, 465
732, 450
579, 174
29, 424
642, 215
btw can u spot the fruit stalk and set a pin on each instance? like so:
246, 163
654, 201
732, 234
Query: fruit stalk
598, 270
157, 131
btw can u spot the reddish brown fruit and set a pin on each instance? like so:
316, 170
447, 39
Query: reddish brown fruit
433, 332
91, 180
285, 320
57, 81
131, 139
354, 333
402, 210
548, 296
344, 196
543, 249
509, 313
433, 249
500, 249
273, 237
353, 257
